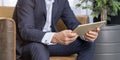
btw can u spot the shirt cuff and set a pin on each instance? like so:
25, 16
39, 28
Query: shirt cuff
47, 38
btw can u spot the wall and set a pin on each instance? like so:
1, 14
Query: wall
80, 11
8, 2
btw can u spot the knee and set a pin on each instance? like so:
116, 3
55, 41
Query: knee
89, 45
35, 46
30, 50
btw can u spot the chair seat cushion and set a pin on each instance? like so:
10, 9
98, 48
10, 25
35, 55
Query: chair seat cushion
72, 57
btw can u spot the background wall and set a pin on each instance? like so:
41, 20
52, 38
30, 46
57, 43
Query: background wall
80, 11
8, 2
0, 2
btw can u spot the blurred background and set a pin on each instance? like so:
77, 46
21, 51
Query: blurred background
77, 11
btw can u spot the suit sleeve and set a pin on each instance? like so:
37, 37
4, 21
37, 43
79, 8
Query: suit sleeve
68, 17
25, 21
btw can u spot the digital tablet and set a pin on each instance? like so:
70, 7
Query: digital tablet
82, 29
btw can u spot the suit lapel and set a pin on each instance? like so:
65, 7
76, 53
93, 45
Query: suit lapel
55, 7
44, 6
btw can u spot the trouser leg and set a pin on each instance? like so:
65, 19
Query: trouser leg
35, 51
88, 52
85, 50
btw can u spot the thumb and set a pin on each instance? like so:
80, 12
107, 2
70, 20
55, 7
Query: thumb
98, 29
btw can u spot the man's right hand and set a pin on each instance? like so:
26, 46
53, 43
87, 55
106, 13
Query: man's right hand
64, 37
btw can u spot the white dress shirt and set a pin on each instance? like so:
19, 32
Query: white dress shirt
48, 36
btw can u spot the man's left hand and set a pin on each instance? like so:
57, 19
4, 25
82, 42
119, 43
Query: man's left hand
92, 35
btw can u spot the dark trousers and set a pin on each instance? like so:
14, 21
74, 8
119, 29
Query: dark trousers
38, 51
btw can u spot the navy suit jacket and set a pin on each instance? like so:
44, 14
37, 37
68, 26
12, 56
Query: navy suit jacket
30, 18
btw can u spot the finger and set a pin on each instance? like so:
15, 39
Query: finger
73, 38
68, 31
71, 35
98, 29
67, 41
89, 39
70, 40
91, 36
61, 42
93, 33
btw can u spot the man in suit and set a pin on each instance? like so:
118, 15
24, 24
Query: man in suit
37, 37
